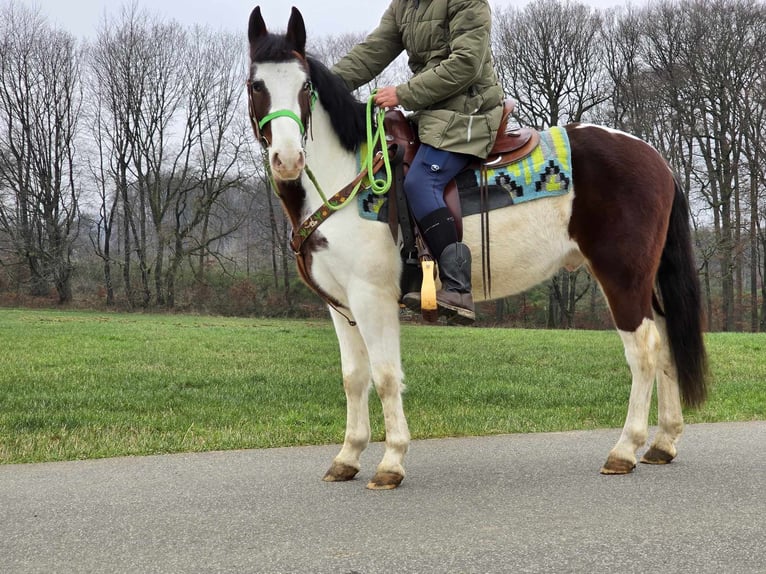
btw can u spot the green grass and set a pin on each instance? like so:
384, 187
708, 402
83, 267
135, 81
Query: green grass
85, 385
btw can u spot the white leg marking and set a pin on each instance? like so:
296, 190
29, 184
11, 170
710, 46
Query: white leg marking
355, 365
670, 417
641, 350
380, 331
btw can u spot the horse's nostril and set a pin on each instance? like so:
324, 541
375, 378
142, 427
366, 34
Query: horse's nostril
277, 162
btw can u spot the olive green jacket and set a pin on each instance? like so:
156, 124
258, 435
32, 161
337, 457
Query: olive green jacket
454, 90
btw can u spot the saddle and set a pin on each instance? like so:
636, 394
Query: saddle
512, 144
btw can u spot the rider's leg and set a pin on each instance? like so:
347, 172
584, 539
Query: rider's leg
431, 170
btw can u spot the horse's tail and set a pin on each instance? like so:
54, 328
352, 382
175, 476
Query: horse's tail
681, 304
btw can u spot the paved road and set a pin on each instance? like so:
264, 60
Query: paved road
516, 504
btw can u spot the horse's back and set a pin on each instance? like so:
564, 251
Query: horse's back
618, 164
623, 189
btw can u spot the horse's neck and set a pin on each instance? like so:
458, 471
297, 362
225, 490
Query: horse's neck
332, 165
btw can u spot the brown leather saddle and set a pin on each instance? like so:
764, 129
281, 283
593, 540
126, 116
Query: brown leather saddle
512, 144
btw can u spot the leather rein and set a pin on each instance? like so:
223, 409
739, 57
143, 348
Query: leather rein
301, 234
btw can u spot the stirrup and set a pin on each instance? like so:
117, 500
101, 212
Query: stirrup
455, 314
428, 306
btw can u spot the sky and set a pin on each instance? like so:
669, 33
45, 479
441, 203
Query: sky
322, 17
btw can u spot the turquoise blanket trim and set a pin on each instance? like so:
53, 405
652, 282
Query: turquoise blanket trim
369, 203
546, 172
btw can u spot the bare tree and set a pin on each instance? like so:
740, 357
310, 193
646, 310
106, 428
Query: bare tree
707, 54
168, 107
39, 110
104, 170
211, 165
549, 58
118, 68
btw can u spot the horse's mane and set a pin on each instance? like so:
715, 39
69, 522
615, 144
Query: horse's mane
348, 116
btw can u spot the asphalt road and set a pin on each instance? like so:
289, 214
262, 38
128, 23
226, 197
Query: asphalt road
516, 504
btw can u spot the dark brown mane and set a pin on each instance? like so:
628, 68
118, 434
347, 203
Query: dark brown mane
347, 115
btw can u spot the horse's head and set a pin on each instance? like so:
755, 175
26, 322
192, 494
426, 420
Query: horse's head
280, 93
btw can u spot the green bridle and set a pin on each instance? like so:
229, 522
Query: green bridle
282, 114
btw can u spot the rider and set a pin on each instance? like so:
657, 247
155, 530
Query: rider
457, 102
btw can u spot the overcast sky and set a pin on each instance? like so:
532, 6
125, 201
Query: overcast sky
323, 17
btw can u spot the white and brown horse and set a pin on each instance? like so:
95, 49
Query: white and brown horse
626, 219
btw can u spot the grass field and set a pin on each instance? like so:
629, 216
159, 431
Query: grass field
85, 385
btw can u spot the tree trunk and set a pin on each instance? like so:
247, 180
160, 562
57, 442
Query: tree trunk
726, 263
763, 282
753, 230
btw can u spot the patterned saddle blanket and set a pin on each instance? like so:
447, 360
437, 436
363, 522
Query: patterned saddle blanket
545, 172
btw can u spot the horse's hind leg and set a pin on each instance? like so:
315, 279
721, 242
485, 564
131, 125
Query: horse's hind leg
355, 365
629, 293
670, 416
641, 350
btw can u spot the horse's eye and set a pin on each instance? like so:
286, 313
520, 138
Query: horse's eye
307, 87
256, 86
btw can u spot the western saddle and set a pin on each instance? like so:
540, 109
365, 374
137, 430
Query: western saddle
512, 144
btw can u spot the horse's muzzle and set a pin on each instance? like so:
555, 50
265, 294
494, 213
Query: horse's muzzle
287, 165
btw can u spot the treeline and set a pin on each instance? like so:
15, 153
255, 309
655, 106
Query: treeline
129, 175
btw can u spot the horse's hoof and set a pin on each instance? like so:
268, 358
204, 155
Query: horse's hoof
656, 456
385, 481
616, 465
340, 472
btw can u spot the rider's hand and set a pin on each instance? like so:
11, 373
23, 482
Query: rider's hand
386, 97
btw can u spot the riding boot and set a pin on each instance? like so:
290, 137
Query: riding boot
454, 299
439, 230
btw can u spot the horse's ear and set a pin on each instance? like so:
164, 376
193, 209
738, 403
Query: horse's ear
296, 32
256, 28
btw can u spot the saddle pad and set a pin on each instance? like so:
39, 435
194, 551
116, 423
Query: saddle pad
546, 172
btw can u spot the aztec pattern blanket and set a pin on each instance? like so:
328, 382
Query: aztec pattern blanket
546, 172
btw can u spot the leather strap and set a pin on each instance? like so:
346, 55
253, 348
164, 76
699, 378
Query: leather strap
310, 225
486, 268
314, 220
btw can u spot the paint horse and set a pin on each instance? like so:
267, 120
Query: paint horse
626, 219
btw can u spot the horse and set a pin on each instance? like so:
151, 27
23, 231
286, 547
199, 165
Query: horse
626, 219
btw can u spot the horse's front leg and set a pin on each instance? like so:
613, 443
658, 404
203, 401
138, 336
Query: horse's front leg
355, 365
378, 318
